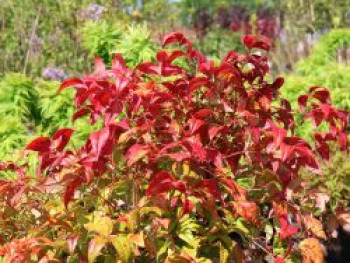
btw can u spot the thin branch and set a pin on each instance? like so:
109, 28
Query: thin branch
35, 25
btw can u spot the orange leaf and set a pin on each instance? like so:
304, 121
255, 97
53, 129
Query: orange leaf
311, 251
247, 209
314, 226
137, 239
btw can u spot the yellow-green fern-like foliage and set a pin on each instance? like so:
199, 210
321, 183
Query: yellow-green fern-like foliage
105, 38
19, 98
19, 113
136, 45
100, 37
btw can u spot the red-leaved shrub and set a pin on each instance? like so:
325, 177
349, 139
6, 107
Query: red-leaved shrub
195, 162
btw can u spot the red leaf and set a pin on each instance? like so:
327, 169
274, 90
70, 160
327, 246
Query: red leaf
80, 113
197, 150
118, 63
198, 82
170, 70
302, 100
100, 66
174, 55
17, 195
195, 125
179, 156
162, 57
149, 68
206, 67
234, 189
281, 212
71, 82
136, 153
213, 131
69, 193
278, 134
61, 138
99, 140
322, 95
41, 144
278, 83
161, 183
279, 259
211, 186
322, 146
258, 41
187, 207
179, 186
343, 141
203, 113
231, 56
174, 37
286, 229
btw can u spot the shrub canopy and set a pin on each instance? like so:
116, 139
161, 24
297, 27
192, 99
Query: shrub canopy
195, 161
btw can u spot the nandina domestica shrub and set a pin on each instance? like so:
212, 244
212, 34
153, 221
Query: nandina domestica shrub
194, 163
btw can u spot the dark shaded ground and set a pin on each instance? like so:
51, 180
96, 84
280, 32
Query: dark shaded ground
338, 250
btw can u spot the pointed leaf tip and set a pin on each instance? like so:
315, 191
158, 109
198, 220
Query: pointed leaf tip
257, 41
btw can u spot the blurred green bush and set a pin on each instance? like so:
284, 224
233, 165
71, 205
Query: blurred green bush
18, 112
106, 39
321, 69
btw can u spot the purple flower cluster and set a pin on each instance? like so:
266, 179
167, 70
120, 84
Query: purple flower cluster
93, 12
54, 73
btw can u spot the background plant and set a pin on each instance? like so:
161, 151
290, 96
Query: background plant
321, 68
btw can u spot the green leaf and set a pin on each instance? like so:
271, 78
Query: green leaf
146, 210
123, 246
163, 249
224, 254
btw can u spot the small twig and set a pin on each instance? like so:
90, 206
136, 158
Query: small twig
262, 248
35, 25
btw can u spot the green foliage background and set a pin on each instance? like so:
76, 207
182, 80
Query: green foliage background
321, 69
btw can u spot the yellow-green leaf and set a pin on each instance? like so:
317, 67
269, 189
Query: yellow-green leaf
148, 209
95, 246
224, 254
123, 246
101, 225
